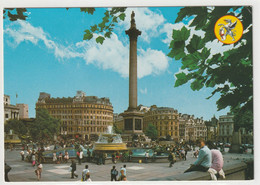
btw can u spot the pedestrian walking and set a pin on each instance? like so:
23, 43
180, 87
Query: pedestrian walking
122, 172
130, 156
54, 157
114, 173
85, 172
22, 155
186, 152
146, 156
172, 159
104, 156
73, 169
113, 158
89, 155
60, 157
33, 159
66, 157
121, 175
38, 171
80, 157
7, 170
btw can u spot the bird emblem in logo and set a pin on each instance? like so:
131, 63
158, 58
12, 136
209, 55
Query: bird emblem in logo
228, 29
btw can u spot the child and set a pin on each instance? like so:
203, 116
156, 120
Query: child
33, 159
22, 155
60, 157
66, 157
54, 157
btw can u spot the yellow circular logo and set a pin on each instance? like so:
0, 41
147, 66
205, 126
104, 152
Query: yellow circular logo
228, 29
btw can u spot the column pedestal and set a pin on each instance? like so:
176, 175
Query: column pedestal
133, 124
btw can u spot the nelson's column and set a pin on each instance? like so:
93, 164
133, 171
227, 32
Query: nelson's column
133, 118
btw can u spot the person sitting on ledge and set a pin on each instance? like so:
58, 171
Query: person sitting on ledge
217, 162
203, 162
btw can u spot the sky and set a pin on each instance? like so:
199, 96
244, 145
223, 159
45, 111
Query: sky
47, 53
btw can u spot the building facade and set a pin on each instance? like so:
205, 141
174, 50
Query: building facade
23, 110
195, 128
165, 119
81, 116
212, 129
10, 111
118, 121
226, 128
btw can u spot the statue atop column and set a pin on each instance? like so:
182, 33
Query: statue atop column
133, 32
133, 25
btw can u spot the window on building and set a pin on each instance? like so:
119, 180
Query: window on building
6, 115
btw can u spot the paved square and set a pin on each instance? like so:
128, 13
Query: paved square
23, 171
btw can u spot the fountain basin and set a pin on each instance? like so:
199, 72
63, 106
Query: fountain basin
109, 147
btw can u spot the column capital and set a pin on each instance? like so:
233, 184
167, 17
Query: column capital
133, 32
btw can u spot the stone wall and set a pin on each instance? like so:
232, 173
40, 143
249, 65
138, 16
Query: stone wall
235, 171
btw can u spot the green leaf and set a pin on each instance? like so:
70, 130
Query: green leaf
94, 28
88, 10
178, 50
182, 78
210, 83
185, 33
190, 61
100, 39
106, 19
114, 19
122, 16
205, 53
88, 35
101, 25
196, 43
197, 84
108, 34
181, 35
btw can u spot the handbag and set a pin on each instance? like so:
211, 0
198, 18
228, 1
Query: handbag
70, 169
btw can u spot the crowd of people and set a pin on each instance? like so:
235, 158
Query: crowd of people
208, 158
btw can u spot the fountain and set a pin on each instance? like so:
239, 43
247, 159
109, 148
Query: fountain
109, 142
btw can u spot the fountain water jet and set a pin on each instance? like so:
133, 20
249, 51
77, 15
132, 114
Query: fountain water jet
109, 142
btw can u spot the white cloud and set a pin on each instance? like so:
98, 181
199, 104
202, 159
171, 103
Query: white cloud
143, 91
146, 20
151, 62
22, 31
113, 54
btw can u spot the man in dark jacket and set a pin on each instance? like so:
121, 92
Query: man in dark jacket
7, 169
73, 169
114, 173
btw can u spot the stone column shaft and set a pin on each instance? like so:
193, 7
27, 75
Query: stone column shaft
133, 34
133, 74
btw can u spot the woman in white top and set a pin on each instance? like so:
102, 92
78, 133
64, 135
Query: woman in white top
54, 158
66, 157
